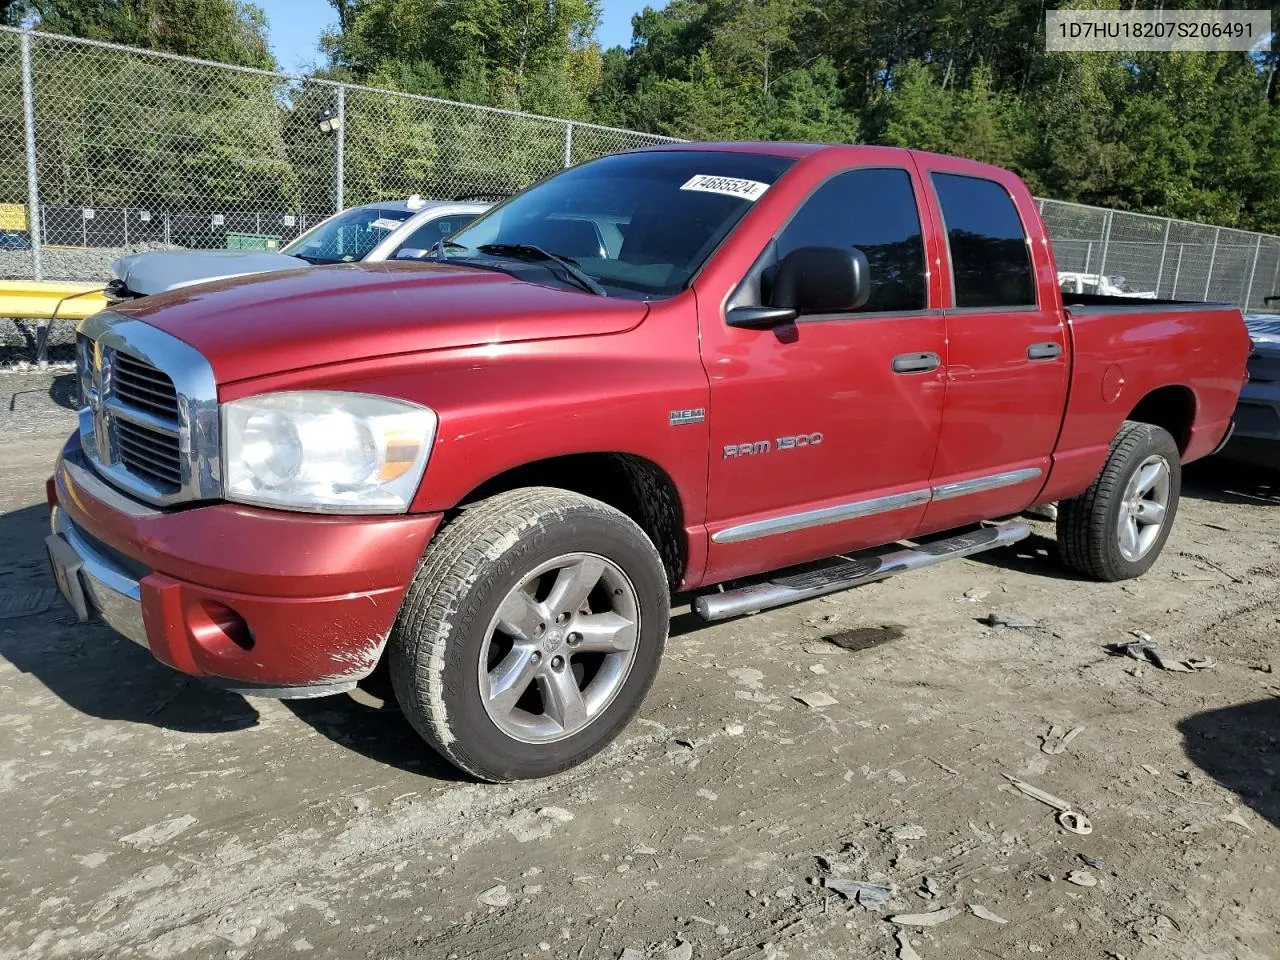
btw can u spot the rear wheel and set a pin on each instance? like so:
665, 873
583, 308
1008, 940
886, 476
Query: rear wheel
530, 634
1116, 529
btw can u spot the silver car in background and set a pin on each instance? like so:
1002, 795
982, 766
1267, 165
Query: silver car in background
386, 230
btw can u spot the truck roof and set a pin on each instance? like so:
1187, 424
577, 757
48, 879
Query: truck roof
799, 151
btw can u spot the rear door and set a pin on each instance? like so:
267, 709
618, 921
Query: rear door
818, 444
1008, 361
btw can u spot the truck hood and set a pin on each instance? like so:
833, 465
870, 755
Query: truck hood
261, 325
146, 274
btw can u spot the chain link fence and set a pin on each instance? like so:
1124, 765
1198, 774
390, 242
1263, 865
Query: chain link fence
106, 150
1172, 259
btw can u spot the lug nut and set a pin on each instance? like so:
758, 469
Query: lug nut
536, 657
557, 663
574, 639
540, 629
562, 618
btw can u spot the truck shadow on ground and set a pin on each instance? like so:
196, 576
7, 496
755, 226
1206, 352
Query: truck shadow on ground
382, 735
1225, 481
385, 736
1240, 748
90, 667
1037, 555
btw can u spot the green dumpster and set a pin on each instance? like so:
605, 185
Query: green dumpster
252, 241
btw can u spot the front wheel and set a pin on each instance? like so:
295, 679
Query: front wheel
1116, 529
531, 633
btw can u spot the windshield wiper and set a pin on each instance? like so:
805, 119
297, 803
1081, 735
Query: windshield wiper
525, 251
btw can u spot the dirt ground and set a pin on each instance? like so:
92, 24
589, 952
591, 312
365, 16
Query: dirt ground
145, 815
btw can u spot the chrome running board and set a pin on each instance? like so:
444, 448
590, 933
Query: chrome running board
854, 571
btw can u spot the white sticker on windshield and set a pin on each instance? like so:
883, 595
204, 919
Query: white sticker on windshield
751, 190
385, 223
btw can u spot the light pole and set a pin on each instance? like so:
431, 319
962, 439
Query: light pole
332, 120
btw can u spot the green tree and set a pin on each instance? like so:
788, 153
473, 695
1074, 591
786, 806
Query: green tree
525, 54
226, 31
916, 113
807, 104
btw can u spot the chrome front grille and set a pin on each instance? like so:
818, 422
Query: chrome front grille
151, 449
149, 453
149, 417
142, 385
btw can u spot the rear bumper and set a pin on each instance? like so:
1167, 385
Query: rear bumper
262, 601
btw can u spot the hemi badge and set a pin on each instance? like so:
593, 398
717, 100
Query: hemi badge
681, 417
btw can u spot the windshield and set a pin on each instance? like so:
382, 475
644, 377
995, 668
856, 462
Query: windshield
348, 236
639, 224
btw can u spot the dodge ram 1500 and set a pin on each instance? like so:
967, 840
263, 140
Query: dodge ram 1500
746, 373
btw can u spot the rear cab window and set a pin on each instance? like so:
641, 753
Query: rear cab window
990, 259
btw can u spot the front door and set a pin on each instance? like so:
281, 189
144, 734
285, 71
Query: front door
823, 432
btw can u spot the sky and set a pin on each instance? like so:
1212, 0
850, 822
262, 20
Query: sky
296, 25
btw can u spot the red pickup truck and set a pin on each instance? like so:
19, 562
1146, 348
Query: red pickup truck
748, 373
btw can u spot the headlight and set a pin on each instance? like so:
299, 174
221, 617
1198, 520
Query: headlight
325, 451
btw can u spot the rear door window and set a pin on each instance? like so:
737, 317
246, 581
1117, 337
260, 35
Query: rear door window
990, 262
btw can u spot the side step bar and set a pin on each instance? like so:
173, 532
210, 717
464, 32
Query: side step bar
855, 571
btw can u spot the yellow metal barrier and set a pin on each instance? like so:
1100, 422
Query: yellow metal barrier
46, 302
31, 300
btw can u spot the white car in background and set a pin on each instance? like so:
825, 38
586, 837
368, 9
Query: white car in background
387, 230
1072, 282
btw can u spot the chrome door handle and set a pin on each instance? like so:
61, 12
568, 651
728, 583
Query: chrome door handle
916, 362
1050, 350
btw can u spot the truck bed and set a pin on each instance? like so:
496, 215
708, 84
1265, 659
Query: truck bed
1078, 302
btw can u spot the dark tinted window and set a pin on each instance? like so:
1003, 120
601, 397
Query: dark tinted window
875, 211
989, 256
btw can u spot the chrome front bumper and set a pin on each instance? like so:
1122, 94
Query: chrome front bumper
104, 590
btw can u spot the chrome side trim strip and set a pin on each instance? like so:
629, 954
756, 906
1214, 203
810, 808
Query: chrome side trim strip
1226, 438
995, 481
867, 508
816, 518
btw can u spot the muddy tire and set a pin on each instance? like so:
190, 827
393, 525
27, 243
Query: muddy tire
530, 634
1116, 529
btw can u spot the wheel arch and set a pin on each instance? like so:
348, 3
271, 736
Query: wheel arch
1172, 407
635, 485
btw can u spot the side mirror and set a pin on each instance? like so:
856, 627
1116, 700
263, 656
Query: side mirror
809, 280
822, 280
